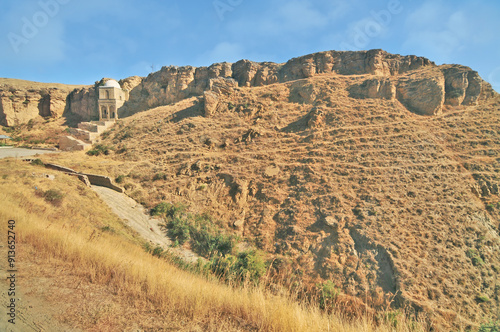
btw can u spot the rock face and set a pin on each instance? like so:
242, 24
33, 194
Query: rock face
416, 82
83, 102
463, 86
218, 88
19, 105
422, 94
382, 88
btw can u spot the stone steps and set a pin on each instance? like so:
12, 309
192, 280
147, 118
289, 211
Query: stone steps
68, 143
84, 136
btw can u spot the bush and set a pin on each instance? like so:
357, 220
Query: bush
475, 257
160, 176
54, 196
482, 299
328, 293
206, 239
120, 178
247, 266
37, 162
168, 210
178, 229
99, 149
490, 327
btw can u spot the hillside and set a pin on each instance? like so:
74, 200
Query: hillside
81, 268
376, 172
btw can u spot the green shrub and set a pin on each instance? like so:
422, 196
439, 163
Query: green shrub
120, 178
99, 149
247, 266
53, 196
160, 176
207, 243
107, 229
490, 327
168, 210
37, 162
482, 299
205, 237
475, 257
328, 294
178, 229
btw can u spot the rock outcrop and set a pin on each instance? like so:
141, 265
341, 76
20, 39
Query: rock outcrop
20, 105
382, 88
422, 94
218, 88
83, 103
392, 76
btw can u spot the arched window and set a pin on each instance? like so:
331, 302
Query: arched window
107, 94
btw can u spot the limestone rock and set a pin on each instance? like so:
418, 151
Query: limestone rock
20, 105
240, 220
83, 102
172, 84
316, 117
211, 102
382, 88
303, 93
222, 85
249, 73
130, 83
422, 94
463, 86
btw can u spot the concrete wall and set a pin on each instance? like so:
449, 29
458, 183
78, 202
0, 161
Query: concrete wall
60, 168
102, 181
94, 179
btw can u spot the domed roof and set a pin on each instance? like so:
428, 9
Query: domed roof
112, 84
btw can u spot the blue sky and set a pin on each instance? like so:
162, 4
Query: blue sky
79, 42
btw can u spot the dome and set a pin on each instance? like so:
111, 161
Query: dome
112, 84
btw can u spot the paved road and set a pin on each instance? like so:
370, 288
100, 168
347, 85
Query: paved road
19, 152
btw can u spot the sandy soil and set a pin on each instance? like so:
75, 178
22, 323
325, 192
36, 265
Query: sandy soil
34, 311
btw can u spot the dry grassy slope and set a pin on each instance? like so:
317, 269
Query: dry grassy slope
358, 191
80, 268
22, 84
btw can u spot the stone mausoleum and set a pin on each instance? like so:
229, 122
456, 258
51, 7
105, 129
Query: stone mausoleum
111, 98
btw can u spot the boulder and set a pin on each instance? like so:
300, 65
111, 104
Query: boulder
211, 102
222, 85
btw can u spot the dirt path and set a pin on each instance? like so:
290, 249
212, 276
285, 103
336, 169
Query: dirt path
134, 215
33, 312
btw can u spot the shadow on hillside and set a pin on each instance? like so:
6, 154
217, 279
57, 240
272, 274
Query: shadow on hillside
297, 126
190, 112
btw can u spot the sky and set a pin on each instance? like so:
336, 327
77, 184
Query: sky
80, 42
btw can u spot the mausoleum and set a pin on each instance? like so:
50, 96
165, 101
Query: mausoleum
111, 98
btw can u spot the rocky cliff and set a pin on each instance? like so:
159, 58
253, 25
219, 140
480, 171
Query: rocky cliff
22, 101
416, 82
420, 85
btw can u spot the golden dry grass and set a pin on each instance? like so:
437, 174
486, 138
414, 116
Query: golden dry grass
73, 232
